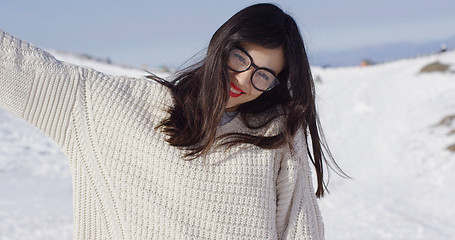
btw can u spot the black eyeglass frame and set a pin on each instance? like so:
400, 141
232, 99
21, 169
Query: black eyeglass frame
257, 68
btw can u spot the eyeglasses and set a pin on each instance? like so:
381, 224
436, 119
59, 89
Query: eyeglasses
262, 79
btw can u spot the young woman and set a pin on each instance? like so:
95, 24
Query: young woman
220, 152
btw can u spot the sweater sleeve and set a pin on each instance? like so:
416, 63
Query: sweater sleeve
36, 87
298, 214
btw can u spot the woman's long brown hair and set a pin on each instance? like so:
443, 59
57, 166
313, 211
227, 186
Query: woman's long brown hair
201, 91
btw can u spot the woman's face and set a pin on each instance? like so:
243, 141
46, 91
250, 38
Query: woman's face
242, 90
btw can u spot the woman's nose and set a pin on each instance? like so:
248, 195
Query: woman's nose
244, 79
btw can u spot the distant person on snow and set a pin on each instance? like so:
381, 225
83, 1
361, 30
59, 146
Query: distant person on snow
219, 152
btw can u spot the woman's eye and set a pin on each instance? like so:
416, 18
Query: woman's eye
240, 58
264, 76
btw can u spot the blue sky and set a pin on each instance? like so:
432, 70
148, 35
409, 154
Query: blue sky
170, 32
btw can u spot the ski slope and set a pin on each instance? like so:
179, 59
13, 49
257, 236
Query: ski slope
380, 121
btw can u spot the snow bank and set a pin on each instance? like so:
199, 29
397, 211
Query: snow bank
380, 122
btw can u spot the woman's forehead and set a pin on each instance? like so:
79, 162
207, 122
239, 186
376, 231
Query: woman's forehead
272, 58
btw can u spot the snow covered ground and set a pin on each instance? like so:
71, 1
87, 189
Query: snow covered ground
381, 123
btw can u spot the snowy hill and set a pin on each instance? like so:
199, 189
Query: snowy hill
382, 122
102, 65
379, 53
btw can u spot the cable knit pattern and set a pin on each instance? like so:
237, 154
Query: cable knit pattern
129, 183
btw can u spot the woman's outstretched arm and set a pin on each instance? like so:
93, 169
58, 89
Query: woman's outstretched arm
298, 214
36, 87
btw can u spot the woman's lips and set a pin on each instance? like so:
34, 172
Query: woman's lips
235, 91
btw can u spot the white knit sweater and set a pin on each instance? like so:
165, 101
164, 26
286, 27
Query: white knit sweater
129, 183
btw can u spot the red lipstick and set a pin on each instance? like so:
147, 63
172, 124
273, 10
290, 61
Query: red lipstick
235, 91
